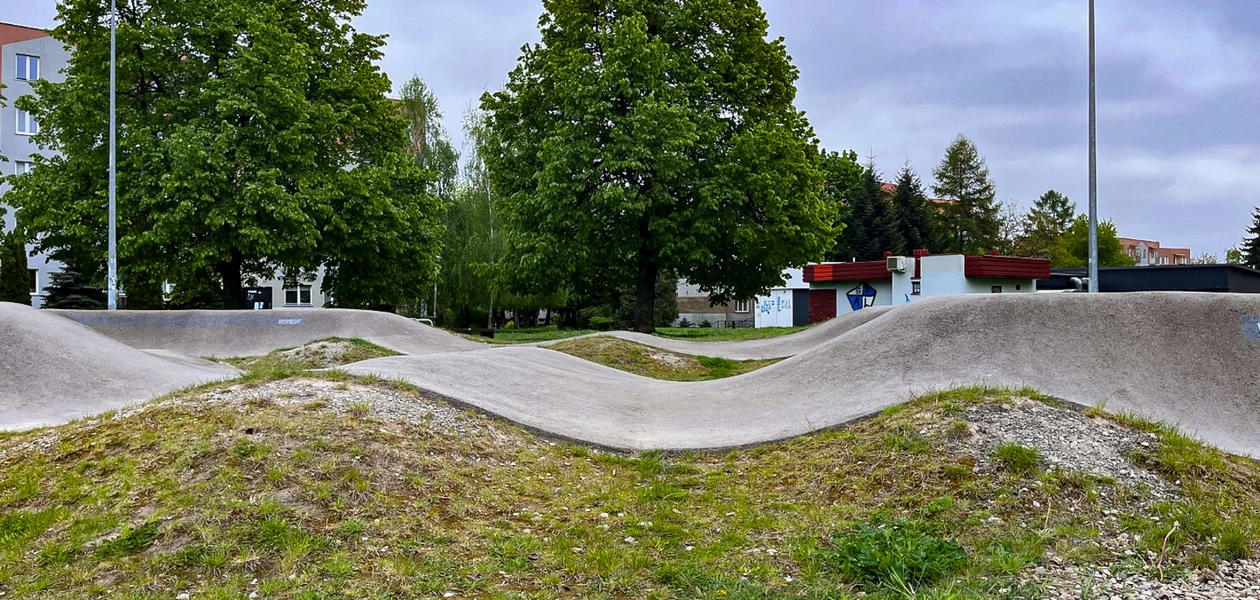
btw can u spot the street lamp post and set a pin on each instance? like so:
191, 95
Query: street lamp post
1093, 162
113, 158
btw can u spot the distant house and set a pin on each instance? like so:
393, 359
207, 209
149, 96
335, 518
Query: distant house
1147, 253
840, 288
695, 307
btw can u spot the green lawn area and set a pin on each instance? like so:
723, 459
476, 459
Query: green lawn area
652, 362
710, 334
294, 501
526, 336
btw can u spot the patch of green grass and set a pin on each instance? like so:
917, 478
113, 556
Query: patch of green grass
897, 555
285, 363
1018, 459
652, 362
130, 541
527, 336
711, 334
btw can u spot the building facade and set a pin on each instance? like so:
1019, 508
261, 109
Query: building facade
1147, 253
841, 288
694, 307
27, 54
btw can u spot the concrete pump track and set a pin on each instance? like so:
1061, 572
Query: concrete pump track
1187, 359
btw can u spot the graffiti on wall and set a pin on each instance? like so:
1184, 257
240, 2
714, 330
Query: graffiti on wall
862, 296
776, 304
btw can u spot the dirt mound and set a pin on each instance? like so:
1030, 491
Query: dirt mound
251, 333
55, 370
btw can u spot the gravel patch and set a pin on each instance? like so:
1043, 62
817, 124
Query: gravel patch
1066, 439
1238, 580
320, 355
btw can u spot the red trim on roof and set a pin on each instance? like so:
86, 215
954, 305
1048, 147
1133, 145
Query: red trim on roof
1006, 267
850, 271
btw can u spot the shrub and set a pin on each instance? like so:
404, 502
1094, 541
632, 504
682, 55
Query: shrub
896, 554
684, 323
705, 324
1018, 459
601, 323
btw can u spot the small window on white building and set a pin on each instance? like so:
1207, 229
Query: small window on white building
27, 67
34, 281
26, 124
997, 289
22, 167
299, 295
741, 307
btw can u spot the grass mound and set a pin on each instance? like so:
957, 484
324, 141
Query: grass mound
652, 362
710, 334
320, 354
290, 499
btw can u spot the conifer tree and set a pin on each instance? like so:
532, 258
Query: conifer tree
71, 289
14, 277
1251, 245
1049, 218
970, 224
914, 215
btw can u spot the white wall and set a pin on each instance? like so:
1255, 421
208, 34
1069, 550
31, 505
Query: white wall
883, 293
775, 310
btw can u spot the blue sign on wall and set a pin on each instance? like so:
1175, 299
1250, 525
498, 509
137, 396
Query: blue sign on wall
862, 296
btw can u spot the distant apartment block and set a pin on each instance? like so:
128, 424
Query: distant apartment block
1149, 253
27, 54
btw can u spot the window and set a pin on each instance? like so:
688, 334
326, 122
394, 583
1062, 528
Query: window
34, 281
27, 67
997, 289
23, 167
1018, 287
741, 306
297, 296
916, 288
26, 124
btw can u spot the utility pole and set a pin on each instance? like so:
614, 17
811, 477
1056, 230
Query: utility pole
490, 207
1093, 161
113, 157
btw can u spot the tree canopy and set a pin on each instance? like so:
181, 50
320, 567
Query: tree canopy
1049, 219
1250, 248
915, 216
641, 138
970, 224
255, 138
14, 276
1072, 248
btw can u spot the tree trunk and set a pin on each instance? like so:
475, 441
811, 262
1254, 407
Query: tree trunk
645, 297
230, 273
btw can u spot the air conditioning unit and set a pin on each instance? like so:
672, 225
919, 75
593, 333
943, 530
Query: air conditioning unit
897, 264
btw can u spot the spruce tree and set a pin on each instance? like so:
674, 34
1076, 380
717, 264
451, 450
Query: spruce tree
14, 277
71, 289
970, 223
914, 215
1251, 245
842, 178
1049, 218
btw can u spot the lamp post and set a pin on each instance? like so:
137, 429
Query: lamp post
1093, 162
113, 159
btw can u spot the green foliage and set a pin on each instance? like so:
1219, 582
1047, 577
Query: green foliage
130, 541
1047, 221
429, 144
914, 215
14, 276
897, 554
71, 289
874, 226
255, 138
1018, 459
641, 138
970, 223
1249, 253
1072, 248
1234, 256
842, 180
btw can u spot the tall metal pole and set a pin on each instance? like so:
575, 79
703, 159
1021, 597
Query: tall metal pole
113, 158
1093, 162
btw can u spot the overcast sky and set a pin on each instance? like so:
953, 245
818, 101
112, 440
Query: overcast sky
1178, 91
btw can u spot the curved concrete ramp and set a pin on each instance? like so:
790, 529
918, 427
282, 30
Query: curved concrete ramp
768, 348
1188, 359
220, 333
54, 370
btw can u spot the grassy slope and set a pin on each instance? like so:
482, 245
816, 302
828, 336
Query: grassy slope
651, 362
311, 504
707, 334
526, 336
360, 350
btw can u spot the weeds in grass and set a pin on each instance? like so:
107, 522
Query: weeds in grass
896, 555
1018, 459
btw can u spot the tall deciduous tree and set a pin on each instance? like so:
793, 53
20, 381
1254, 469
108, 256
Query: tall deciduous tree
1049, 218
254, 137
1233, 256
842, 184
969, 224
914, 214
1251, 246
1072, 248
428, 142
643, 137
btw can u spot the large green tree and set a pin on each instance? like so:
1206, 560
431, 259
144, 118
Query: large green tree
255, 137
970, 223
429, 143
643, 137
1071, 250
842, 178
1251, 245
1047, 220
14, 276
914, 214
874, 224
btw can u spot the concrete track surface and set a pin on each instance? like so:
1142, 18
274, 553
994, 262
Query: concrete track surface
224, 334
776, 347
1188, 359
53, 370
